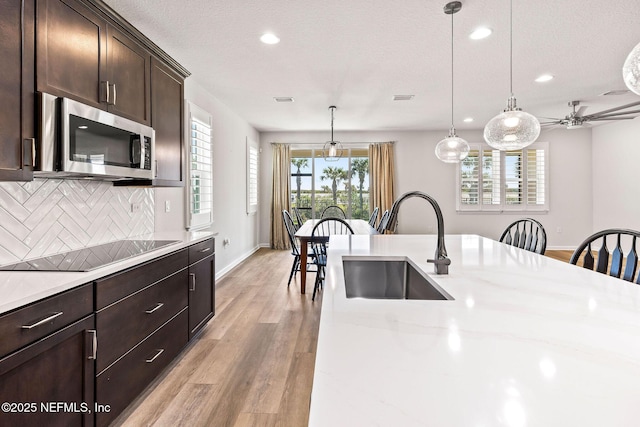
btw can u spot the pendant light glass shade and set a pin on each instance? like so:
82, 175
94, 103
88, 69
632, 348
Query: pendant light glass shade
631, 70
513, 129
332, 150
452, 149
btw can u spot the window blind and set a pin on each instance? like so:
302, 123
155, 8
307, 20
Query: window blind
491, 180
200, 165
252, 177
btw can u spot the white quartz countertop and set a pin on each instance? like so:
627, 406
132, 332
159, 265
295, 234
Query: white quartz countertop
19, 288
527, 341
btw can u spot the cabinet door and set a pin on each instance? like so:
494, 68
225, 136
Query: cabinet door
202, 296
58, 368
16, 89
129, 70
167, 99
71, 51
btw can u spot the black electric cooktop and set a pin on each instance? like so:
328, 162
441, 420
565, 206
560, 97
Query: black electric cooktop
90, 258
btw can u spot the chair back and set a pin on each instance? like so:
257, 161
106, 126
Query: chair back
333, 211
299, 219
291, 231
327, 227
616, 264
527, 234
373, 217
384, 219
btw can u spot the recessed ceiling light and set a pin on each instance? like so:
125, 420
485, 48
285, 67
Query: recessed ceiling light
283, 98
403, 97
544, 78
269, 38
468, 120
480, 33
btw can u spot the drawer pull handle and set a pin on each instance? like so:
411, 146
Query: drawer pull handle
193, 282
160, 351
43, 321
205, 250
94, 344
157, 307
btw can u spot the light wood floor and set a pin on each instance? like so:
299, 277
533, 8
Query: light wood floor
253, 363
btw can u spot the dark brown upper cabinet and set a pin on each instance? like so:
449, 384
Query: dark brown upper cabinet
81, 56
17, 111
167, 95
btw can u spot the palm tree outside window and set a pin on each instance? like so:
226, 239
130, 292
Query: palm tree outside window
316, 184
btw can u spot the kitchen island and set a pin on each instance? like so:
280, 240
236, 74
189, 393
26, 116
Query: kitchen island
526, 341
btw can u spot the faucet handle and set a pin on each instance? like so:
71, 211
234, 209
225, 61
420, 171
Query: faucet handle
441, 265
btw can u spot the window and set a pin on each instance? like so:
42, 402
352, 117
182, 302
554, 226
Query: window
316, 183
252, 176
500, 181
199, 165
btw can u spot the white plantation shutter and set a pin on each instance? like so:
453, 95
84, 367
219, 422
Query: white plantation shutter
200, 167
509, 181
252, 176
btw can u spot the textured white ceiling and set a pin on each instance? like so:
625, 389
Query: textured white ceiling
357, 54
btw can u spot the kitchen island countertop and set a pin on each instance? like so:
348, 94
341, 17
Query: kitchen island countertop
527, 341
19, 288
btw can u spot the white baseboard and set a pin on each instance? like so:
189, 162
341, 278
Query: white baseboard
220, 274
561, 248
264, 245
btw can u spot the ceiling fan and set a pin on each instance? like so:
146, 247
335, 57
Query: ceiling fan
577, 120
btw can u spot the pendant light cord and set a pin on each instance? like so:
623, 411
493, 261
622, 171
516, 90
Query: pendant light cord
452, 70
511, 47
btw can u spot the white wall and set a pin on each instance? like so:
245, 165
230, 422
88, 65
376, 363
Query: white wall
229, 181
616, 154
417, 168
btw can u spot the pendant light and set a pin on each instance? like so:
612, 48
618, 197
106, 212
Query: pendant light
332, 150
452, 149
513, 129
631, 70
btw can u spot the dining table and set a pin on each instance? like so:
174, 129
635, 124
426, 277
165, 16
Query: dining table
304, 235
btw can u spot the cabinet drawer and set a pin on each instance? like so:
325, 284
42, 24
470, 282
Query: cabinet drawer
123, 381
124, 324
201, 250
115, 287
28, 324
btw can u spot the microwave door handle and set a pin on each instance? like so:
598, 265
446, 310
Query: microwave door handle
132, 155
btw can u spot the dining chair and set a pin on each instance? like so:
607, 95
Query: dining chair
333, 211
616, 264
295, 250
373, 217
527, 234
299, 219
384, 219
325, 227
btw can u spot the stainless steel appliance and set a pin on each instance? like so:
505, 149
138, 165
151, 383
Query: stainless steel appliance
89, 258
77, 140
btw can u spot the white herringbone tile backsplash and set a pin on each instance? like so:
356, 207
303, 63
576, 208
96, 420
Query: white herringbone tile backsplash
47, 216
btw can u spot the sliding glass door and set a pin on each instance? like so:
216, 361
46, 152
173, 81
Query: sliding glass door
317, 183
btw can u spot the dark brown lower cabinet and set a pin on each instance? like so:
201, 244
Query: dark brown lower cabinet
202, 296
51, 382
123, 381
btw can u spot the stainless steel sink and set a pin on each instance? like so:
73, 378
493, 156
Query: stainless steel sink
397, 278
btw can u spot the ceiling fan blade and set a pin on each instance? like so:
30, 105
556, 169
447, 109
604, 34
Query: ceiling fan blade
611, 115
547, 124
611, 110
580, 111
555, 119
599, 119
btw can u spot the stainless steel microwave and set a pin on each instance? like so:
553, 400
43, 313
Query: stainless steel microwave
77, 140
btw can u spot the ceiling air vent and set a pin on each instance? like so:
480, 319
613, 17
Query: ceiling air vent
283, 99
403, 97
